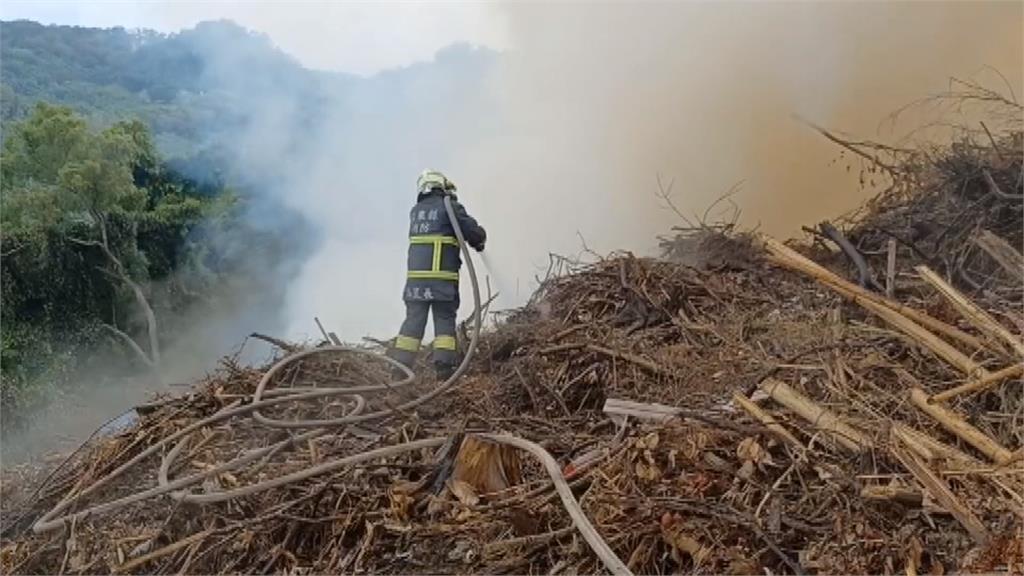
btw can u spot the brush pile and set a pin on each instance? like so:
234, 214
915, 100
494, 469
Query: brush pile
774, 408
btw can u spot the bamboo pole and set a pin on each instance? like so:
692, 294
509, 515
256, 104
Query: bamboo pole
925, 338
892, 493
929, 448
941, 492
981, 383
972, 313
768, 420
820, 417
789, 258
954, 423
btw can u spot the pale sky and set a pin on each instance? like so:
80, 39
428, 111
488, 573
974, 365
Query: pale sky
353, 37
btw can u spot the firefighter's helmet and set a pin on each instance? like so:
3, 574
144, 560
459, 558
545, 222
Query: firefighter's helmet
433, 179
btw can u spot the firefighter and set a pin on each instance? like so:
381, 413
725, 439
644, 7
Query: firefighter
433, 272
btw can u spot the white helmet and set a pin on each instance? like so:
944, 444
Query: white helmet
431, 179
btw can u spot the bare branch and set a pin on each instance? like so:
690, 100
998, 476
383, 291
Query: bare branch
665, 193
131, 345
322, 330
82, 242
996, 190
287, 347
12, 251
586, 249
121, 274
854, 147
1006, 82
724, 197
993, 141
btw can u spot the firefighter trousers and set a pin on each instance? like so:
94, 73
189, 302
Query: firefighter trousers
411, 334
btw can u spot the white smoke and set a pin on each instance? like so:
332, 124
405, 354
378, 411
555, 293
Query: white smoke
563, 135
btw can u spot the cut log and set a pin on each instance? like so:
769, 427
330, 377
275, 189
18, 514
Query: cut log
937, 487
911, 322
954, 423
979, 318
820, 417
1001, 251
983, 383
764, 418
486, 466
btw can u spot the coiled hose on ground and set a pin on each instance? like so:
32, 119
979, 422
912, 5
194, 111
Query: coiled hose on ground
263, 398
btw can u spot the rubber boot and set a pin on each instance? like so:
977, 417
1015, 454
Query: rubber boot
443, 371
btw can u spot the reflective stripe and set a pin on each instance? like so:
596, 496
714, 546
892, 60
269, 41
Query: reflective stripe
407, 343
436, 265
431, 275
432, 238
444, 343
435, 272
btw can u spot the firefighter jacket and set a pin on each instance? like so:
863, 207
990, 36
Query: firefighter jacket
434, 259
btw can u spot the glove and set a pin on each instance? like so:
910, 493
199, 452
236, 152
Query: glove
479, 247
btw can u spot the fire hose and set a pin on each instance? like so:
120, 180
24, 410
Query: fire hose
264, 398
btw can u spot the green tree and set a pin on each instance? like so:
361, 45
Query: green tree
99, 182
87, 220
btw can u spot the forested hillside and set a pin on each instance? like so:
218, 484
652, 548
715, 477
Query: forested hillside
122, 214
173, 83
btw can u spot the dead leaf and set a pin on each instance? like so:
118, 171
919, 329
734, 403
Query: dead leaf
7, 555
749, 450
406, 487
913, 552
681, 542
463, 491
140, 549
648, 442
823, 474
241, 543
437, 505
649, 472
401, 505
695, 444
746, 470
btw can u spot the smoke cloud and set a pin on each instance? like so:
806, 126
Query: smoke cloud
563, 136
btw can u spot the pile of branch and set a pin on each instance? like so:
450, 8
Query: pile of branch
770, 409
